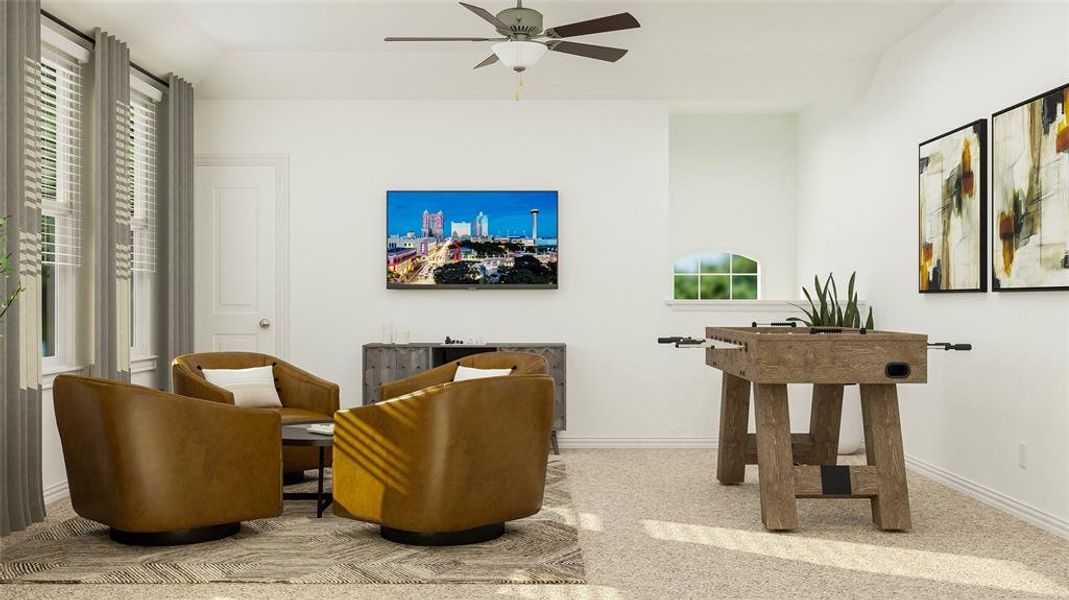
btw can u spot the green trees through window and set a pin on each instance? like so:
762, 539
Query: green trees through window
716, 276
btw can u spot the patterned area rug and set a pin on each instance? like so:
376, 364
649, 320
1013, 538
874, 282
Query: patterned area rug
296, 547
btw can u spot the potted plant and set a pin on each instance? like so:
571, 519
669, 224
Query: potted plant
828, 311
7, 269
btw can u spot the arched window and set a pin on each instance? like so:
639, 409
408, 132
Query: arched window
716, 276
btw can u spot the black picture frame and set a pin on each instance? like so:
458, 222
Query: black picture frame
979, 126
995, 217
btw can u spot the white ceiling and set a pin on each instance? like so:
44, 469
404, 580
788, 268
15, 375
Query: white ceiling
739, 55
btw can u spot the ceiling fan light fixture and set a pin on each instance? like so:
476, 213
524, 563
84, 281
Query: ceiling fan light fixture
518, 55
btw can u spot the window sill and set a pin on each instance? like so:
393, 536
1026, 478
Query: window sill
783, 307
143, 364
48, 376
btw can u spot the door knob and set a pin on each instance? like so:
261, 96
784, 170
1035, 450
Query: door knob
265, 323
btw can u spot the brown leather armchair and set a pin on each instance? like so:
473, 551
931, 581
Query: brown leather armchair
161, 469
450, 463
305, 397
521, 363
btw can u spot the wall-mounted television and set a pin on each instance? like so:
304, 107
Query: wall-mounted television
471, 239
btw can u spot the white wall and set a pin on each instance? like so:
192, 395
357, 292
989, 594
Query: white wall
733, 187
858, 198
610, 162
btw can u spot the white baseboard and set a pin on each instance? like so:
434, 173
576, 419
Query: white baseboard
1025, 512
55, 492
636, 441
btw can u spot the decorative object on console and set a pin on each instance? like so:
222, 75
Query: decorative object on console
471, 239
1030, 162
830, 313
494, 432
305, 397
952, 211
140, 461
402, 336
383, 363
252, 388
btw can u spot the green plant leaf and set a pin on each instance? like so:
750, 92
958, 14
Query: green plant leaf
869, 323
813, 306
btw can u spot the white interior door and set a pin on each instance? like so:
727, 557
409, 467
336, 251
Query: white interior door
235, 259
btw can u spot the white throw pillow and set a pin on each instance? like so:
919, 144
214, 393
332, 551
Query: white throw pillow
252, 388
465, 373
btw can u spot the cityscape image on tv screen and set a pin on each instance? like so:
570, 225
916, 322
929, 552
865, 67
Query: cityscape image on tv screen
471, 239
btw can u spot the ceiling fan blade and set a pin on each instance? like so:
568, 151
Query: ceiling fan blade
488, 17
600, 25
489, 61
588, 50
441, 39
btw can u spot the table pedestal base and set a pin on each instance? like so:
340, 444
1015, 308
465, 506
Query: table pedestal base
804, 465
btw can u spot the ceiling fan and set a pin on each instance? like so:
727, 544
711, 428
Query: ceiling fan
525, 42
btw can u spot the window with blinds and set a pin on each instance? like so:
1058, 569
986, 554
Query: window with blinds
143, 182
61, 160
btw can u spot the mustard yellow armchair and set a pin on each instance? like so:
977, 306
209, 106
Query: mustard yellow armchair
305, 397
446, 464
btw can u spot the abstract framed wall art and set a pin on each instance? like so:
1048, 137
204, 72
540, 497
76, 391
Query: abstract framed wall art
952, 211
1030, 190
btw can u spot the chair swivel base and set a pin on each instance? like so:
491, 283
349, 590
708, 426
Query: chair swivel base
293, 478
475, 535
175, 538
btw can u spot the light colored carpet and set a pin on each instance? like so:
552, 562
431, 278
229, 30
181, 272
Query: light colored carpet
297, 547
654, 523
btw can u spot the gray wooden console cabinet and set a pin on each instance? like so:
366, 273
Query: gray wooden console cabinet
389, 362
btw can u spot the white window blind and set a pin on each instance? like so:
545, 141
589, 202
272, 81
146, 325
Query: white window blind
61, 158
143, 181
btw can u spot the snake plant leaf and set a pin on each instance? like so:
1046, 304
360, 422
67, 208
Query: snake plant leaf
869, 324
811, 305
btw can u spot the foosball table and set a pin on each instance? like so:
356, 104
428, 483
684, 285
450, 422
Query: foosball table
804, 465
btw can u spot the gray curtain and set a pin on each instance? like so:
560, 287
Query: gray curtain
21, 498
176, 227
112, 196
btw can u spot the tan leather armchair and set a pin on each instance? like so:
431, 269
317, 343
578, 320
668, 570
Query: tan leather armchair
450, 463
305, 397
161, 469
521, 363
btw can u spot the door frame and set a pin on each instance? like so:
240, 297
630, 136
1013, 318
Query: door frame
281, 164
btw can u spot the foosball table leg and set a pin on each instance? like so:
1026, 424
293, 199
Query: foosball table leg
825, 419
734, 418
775, 457
883, 445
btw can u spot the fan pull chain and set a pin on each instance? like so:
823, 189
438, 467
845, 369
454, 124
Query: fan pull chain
519, 84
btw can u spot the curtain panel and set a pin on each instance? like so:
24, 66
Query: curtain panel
112, 166
21, 497
175, 322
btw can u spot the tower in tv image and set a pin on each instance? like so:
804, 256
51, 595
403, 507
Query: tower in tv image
471, 239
